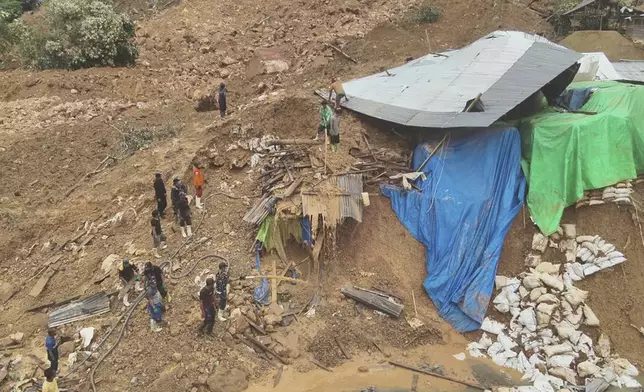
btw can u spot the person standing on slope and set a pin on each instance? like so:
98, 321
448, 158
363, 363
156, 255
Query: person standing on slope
177, 188
208, 308
185, 220
197, 174
222, 289
160, 194
223, 92
325, 119
337, 88
158, 238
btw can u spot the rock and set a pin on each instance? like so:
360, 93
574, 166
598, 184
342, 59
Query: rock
17, 337
236, 300
226, 61
240, 324
275, 309
224, 73
228, 380
267, 61
7, 290
235, 313
272, 319
288, 320
265, 340
363, 369
66, 348
228, 339
73, 91
203, 379
177, 357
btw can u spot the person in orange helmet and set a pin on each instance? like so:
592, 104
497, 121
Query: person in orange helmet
197, 175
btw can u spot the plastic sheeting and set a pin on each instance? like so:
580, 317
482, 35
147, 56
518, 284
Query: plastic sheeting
567, 153
473, 191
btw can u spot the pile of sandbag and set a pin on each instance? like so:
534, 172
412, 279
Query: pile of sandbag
619, 193
543, 338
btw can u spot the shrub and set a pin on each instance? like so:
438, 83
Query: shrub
79, 34
427, 13
30, 5
9, 10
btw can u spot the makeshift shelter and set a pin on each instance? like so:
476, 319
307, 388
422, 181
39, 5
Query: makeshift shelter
473, 190
470, 87
567, 153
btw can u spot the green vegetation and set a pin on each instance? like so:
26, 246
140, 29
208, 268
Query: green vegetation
427, 13
72, 34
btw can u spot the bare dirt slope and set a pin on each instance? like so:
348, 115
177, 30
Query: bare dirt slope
58, 126
613, 44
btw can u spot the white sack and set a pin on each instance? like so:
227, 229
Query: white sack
564, 373
548, 268
537, 292
552, 281
591, 318
528, 319
532, 281
586, 369
575, 297
564, 348
492, 326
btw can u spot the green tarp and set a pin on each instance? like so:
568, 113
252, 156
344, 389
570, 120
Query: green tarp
567, 153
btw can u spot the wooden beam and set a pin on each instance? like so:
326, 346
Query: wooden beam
344, 350
375, 301
286, 142
319, 364
415, 369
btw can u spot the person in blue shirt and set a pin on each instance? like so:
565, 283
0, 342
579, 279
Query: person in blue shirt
52, 349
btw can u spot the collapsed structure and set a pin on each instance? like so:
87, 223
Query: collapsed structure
501, 136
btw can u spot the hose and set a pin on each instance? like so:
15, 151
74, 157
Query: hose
128, 314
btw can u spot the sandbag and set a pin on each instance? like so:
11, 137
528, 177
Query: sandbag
528, 319
539, 242
575, 297
548, 268
570, 230
532, 281
537, 292
564, 373
591, 319
564, 348
552, 281
603, 346
585, 238
492, 326
548, 298
586, 369
564, 360
569, 333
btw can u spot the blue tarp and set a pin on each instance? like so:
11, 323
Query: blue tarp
473, 191
574, 98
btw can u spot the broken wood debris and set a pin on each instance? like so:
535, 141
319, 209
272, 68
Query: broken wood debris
372, 300
427, 372
320, 365
54, 303
342, 347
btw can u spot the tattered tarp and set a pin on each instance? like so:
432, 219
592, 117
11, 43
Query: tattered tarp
473, 191
566, 153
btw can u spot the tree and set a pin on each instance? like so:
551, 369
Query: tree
80, 34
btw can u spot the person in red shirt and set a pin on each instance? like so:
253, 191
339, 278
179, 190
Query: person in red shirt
197, 174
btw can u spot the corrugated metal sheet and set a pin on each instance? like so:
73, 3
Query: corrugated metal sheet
596, 66
630, 70
505, 66
579, 6
343, 199
91, 306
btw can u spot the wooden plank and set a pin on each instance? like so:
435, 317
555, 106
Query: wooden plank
317, 248
54, 303
265, 349
388, 292
284, 142
415, 369
42, 282
318, 364
53, 260
257, 327
373, 300
344, 350
82, 244
381, 349
278, 376
274, 283
414, 383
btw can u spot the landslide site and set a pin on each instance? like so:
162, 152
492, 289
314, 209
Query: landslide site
64, 172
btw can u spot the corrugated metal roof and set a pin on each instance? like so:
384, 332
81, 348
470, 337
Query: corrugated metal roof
579, 6
630, 70
432, 91
596, 66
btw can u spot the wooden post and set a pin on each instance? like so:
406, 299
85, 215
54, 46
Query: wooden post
274, 284
326, 147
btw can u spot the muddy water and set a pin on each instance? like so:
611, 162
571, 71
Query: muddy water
387, 378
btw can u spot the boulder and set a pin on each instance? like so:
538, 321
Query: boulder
272, 319
7, 290
66, 348
267, 61
228, 380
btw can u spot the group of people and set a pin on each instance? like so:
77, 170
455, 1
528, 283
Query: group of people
330, 118
180, 205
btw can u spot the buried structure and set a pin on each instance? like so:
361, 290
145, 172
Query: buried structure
465, 190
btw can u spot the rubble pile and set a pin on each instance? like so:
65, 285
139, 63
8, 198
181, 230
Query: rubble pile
255, 325
620, 193
545, 337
